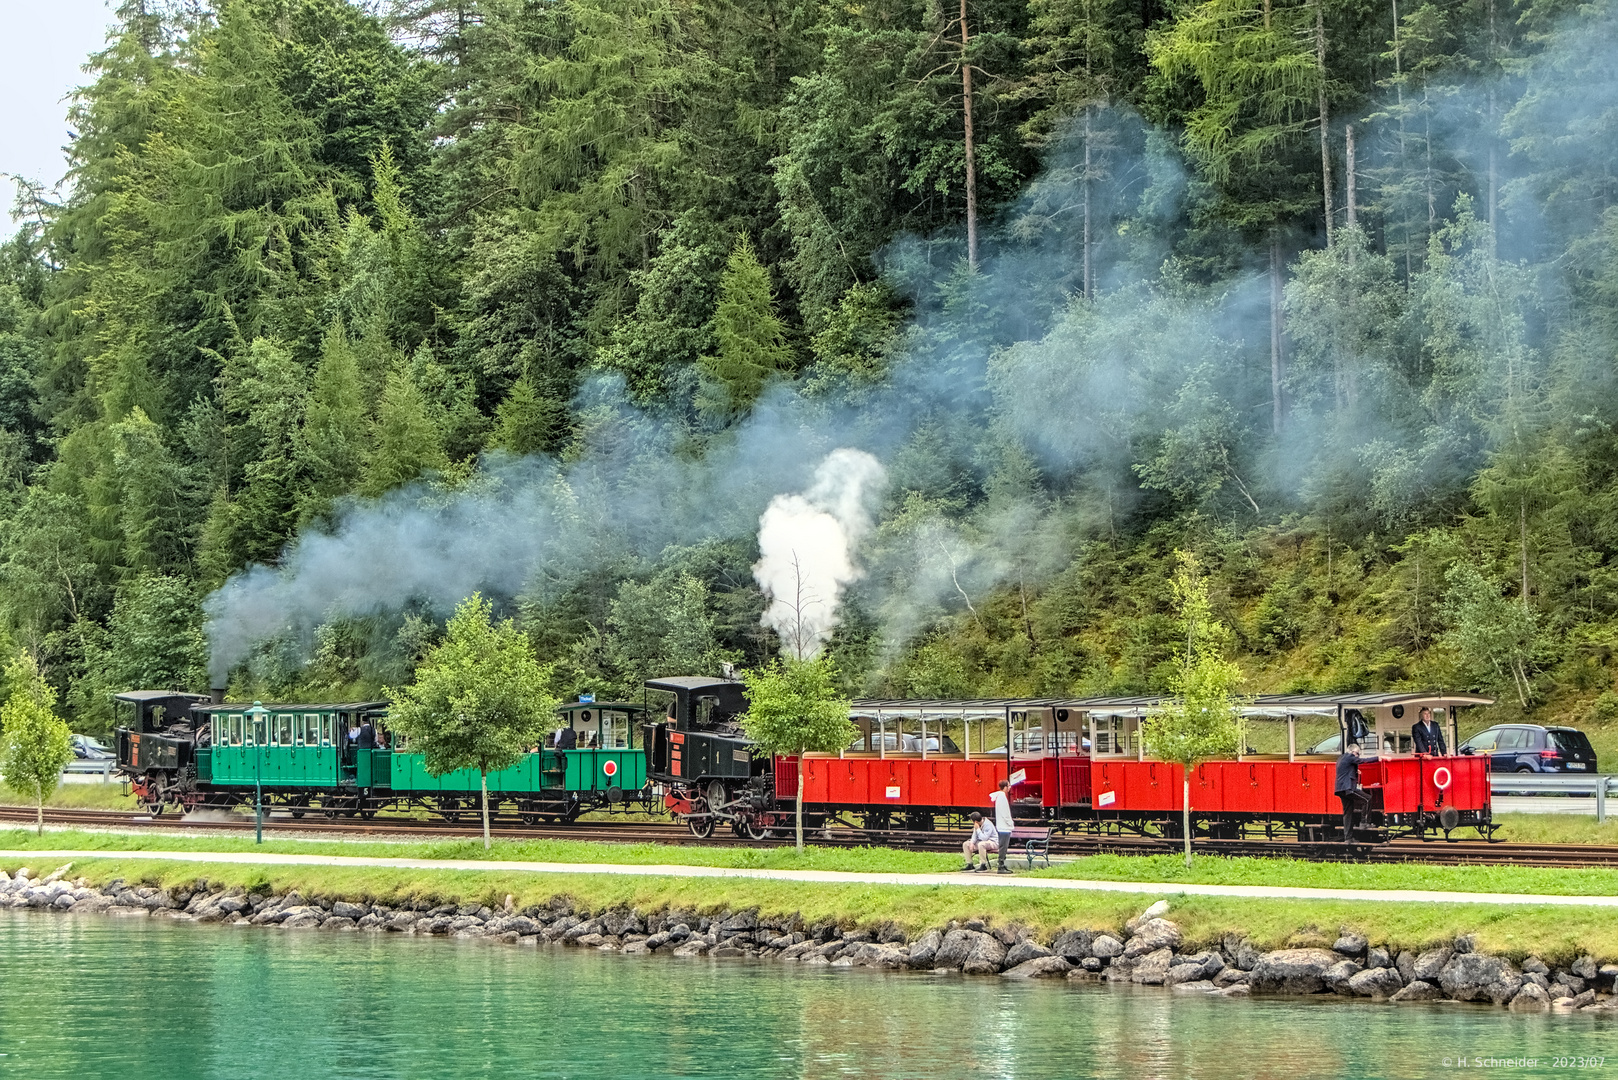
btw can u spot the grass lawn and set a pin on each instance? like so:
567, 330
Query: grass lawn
1207, 869
1556, 935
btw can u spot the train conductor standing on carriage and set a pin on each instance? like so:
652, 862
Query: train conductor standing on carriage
1427, 737
1349, 790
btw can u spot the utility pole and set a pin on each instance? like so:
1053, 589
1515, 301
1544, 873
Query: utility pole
971, 164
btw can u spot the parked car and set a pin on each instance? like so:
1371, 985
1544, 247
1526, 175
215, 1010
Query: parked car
1532, 748
89, 756
1392, 743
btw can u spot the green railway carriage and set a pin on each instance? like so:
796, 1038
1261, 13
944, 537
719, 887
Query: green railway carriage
305, 756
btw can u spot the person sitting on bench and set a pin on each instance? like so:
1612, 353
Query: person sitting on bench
985, 841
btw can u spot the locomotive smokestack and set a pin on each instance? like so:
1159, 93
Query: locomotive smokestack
216, 695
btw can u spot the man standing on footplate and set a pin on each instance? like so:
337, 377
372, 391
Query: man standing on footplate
1002, 822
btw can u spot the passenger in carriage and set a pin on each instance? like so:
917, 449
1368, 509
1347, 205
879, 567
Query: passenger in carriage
985, 841
365, 738
567, 739
1427, 736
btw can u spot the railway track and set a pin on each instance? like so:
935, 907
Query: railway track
1437, 852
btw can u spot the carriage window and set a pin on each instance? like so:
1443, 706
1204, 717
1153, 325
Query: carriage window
311, 729
327, 726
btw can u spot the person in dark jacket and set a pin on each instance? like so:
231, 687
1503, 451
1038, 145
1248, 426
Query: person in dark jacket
366, 740
567, 739
1349, 790
1427, 736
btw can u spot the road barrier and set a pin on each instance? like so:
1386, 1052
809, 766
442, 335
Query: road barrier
1556, 784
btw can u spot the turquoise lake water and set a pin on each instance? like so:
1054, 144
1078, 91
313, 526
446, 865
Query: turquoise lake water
92, 996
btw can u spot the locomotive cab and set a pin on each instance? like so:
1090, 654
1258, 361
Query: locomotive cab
703, 759
156, 742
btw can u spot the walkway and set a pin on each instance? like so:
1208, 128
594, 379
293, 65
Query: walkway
828, 877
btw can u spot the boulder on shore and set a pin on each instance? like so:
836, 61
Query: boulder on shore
1292, 971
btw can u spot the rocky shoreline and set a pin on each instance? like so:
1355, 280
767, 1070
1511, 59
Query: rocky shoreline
1148, 950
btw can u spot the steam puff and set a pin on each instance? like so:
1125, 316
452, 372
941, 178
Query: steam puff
807, 544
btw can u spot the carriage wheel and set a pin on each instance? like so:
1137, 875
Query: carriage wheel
329, 812
530, 819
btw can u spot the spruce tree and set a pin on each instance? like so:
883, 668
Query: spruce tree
406, 442
750, 336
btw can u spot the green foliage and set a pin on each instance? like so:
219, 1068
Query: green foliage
407, 443
751, 345
1203, 718
308, 256
1496, 640
480, 699
794, 707
35, 745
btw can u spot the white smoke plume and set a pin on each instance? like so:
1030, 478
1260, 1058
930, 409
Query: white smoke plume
807, 545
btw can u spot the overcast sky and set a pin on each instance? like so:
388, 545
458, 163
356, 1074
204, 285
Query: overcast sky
44, 45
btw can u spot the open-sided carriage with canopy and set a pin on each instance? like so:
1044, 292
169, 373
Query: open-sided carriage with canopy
1082, 763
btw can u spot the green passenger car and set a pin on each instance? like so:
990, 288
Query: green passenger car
304, 756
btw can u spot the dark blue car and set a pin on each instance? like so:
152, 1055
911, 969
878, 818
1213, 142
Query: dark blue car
1532, 748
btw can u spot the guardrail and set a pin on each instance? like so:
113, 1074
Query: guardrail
1557, 784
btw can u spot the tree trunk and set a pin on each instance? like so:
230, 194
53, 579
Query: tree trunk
1089, 284
39, 816
800, 802
1325, 117
971, 165
1275, 333
483, 778
1353, 213
1186, 812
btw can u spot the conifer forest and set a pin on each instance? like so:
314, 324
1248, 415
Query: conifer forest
921, 332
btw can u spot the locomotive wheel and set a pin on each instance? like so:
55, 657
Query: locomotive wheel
717, 795
755, 828
701, 827
155, 809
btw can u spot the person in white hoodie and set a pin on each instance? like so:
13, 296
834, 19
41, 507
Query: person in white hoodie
1002, 823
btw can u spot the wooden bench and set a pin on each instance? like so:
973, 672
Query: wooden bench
1036, 841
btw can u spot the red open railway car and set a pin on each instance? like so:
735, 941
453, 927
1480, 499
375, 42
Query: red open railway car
1081, 763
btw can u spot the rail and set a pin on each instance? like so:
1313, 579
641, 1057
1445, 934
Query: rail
1557, 784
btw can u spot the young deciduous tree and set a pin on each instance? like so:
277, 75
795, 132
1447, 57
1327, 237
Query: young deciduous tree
1496, 639
795, 708
1203, 719
480, 699
35, 744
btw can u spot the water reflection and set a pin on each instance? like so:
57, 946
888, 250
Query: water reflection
95, 996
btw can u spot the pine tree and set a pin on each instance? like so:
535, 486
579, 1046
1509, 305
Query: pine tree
525, 423
406, 442
750, 336
334, 440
